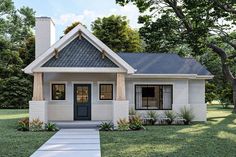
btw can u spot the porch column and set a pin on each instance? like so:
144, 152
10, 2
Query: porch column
120, 87
38, 87
38, 108
120, 105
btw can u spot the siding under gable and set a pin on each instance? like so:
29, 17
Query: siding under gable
79, 53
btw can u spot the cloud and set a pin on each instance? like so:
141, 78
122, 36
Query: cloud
88, 16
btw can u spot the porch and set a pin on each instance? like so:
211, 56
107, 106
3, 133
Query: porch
64, 112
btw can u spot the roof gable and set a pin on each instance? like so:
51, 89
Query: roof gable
36, 65
79, 53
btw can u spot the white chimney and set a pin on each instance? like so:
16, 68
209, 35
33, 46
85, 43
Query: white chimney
45, 34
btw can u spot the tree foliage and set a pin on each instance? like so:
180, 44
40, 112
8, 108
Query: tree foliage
202, 26
115, 32
16, 51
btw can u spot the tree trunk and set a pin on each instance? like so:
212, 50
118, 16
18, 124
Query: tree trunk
234, 95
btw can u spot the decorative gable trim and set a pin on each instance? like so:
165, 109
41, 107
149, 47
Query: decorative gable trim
65, 40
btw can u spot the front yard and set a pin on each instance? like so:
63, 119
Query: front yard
216, 138
14, 143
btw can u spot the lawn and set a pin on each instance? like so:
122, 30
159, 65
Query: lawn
14, 143
215, 138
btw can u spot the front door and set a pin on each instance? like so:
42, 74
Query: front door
82, 102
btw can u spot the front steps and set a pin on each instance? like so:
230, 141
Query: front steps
78, 124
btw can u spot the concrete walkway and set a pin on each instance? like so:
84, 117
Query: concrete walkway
71, 143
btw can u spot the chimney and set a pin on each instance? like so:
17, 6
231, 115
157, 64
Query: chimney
45, 35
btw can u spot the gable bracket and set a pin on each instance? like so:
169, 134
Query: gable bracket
80, 34
56, 53
103, 54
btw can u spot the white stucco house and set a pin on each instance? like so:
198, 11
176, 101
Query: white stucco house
79, 78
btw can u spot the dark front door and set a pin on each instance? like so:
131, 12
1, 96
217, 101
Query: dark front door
82, 101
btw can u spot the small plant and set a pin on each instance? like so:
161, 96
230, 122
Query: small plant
123, 124
23, 124
187, 115
106, 126
132, 111
170, 115
51, 127
152, 115
36, 125
136, 123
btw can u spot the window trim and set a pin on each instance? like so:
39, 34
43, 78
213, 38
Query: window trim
57, 83
172, 95
112, 91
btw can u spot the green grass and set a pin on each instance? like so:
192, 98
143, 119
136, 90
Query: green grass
215, 138
14, 143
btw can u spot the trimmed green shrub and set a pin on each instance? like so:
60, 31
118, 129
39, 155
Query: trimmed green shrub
123, 124
51, 127
106, 126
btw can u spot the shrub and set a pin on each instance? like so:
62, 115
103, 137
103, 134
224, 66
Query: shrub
23, 124
123, 124
153, 116
170, 115
36, 125
187, 115
106, 126
135, 123
51, 127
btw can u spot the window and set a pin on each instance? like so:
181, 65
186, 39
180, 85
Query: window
153, 97
58, 92
106, 92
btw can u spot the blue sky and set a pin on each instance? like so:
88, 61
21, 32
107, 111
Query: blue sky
64, 12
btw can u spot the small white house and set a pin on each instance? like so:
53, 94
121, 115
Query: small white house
80, 78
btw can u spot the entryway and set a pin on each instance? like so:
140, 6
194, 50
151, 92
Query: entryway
82, 101
71, 143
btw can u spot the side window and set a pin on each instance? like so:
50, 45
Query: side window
58, 92
106, 92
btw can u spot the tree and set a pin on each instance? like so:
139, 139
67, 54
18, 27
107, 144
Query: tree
69, 28
205, 26
115, 32
16, 51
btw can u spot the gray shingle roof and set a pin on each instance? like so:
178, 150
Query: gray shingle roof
80, 53
163, 63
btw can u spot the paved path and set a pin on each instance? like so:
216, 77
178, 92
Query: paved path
71, 143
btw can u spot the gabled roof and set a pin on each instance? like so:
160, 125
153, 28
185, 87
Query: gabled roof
80, 53
36, 65
163, 63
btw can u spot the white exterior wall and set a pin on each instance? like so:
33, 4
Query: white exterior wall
63, 110
190, 93
197, 99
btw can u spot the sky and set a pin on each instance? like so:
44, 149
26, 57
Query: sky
64, 12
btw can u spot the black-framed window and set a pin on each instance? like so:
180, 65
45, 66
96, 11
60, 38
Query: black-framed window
106, 91
153, 97
58, 92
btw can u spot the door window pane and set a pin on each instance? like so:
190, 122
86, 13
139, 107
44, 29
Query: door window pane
82, 94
